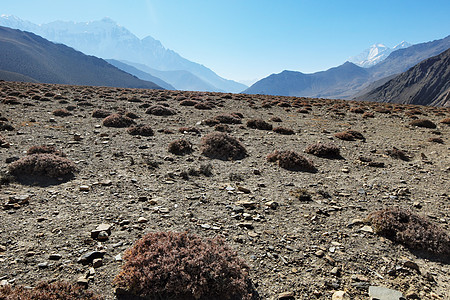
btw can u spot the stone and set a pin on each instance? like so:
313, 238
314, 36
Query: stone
355, 222
83, 281
118, 257
98, 262
247, 225
335, 271
84, 188
243, 189
102, 236
142, 220
102, 227
55, 256
366, 228
43, 265
247, 204
272, 204
382, 293
286, 296
2, 248
88, 257
340, 295
319, 253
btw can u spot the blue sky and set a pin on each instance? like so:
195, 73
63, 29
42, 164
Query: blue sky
251, 39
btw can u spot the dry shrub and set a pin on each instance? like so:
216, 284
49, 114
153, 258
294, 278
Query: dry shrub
368, 114
58, 290
4, 126
222, 146
323, 150
45, 149
180, 147
159, 110
61, 112
411, 230
118, 121
275, 119
228, 119
189, 129
283, 130
445, 121
423, 123
188, 102
100, 113
131, 115
203, 106
436, 140
292, 161
43, 165
397, 154
382, 110
169, 265
140, 129
222, 128
357, 110
349, 135
259, 124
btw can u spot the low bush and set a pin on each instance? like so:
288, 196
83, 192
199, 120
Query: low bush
292, 161
397, 154
283, 130
189, 129
44, 164
222, 146
140, 129
131, 115
168, 265
61, 112
436, 140
159, 110
275, 119
349, 135
100, 113
118, 121
323, 150
368, 114
180, 147
45, 149
203, 106
188, 102
413, 231
228, 119
58, 290
445, 121
259, 124
357, 110
222, 128
425, 123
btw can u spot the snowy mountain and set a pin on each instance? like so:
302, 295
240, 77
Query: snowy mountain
106, 39
375, 54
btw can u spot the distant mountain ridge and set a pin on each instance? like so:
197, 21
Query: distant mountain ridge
106, 39
427, 83
29, 57
347, 80
375, 54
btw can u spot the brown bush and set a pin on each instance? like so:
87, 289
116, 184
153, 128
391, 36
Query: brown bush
368, 114
168, 265
222, 128
45, 149
349, 135
140, 129
222, 146
131, 115
436, 140
61, 112
203, 106
275, 119
397, 154
188, 102
357, 110
43, 165
100, 113
189, 129
423, 123
159, 110
228, 119
259, 124
411, 230
118, 121
323, 150
382, 110
180, 147
292, 161
445, 121
58, 290
283, 130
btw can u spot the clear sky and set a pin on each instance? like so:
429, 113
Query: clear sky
251, 39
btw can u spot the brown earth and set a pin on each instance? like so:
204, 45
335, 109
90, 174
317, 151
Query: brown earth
310, 246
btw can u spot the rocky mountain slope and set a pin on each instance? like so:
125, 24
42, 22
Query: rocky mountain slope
352, 80
375, 54
41, 60
304, 233
106, 39
427, 83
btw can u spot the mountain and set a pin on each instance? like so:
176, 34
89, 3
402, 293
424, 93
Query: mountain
139, 74
106, 39
375, 54
34, 57
427, 83
348, 79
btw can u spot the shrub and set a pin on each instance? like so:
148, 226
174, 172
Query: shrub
61, 112
423, 123
222, 146
118, 121
275, 119
357, 110
222, 128
168, 265
301, 194
58, 290
436, 140
189, 129
368, 114
45, 149
188, 102
349, 135
283, 130
445, 121
131, 115
382, 110
203, 106
44, 164
411, 230
159, 110
323, 150
140, 129
228, 119
180, 147
100, 113
292, 161
259, 124
397, 154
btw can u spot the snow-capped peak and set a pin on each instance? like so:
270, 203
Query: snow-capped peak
375, 54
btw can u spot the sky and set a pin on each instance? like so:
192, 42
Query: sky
251, 39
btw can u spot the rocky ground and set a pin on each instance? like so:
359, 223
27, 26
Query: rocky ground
308, 248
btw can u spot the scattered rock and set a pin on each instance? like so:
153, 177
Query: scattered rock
88, 257
97, 262
382, 293
102, 227
340, 295
286, 296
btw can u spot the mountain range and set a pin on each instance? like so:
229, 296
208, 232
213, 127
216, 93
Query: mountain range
29, 57
375, 54
348, 80
106, 39
427, 83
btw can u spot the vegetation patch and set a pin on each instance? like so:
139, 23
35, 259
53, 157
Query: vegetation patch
397, 154
118, 121
180, 147
425, 123
140, 129
44, 164
222, 146
292, 161
62, 112
283, 130
159, 110
323, 150
350, 135
259, 124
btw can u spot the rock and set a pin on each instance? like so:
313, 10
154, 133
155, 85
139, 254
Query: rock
243, 189
83, 281
2, 248
411, 265
335, 271
272, 204
102, 227
247, 204
359, 278
102, 236
88, 257
366, 228
319, 253
355, 222
43, 265
55, 256
382, 293
98, 262
340, 295
247, 225
142, 220
84, 188
118, 257
286, 296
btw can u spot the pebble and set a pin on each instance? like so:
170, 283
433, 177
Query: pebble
340, 295
102, 236
272, 204
43, 265
90, 256
98, 262
84, 188
83, 281
118, 257
286, 296
102, 227
2, 248
142, 220
247, 204
247, 225
335, 271
243, 189
382, 293
319, 253
366, 228
55, 256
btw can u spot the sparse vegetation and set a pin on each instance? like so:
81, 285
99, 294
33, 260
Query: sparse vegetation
180, 147
159, 110
140, 129
436, 140
259, 124
445, 121
283, 130
323, 150
291, 160
100, 113
3, 143
61, 112
222, 146
50, 149
350, 135
43, 165
118, 121
4, 126
425, 123
397, 154
168, 265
